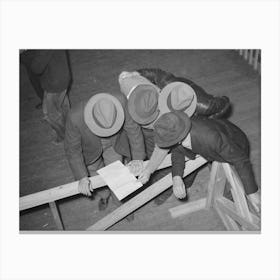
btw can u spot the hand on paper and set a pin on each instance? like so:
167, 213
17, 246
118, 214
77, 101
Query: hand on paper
135, 167
85, 186
144, 176
179, 188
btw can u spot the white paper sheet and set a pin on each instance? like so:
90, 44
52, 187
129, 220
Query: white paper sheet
119, 179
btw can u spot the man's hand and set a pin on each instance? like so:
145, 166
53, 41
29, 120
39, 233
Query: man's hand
144, 176
85, 187
179, 188
135, 167
255, 200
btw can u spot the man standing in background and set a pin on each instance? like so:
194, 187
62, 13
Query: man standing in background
49, 73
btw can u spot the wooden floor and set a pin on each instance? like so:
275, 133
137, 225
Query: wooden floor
43, 165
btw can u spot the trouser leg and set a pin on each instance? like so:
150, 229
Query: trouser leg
53, 113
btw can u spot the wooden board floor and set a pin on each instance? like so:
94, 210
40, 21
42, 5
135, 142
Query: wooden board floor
43, 165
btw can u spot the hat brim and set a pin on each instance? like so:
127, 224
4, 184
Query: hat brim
167, 144
162, 101
131, 105
90, 121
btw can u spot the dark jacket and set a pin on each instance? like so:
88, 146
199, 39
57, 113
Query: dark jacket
217, 140
52, 67
83, 147
207, 104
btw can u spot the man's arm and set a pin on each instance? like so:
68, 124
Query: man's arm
157, 76
155, 161
177, 161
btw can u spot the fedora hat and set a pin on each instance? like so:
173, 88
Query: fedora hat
143, 104
171, 128
142, 97
177, 96
103, 114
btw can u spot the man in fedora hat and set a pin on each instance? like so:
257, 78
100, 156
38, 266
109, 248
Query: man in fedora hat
145, 104
50, 74
215, 140
100, 131
207, 104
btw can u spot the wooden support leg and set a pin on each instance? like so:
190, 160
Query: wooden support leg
56, 215
245, 55
237, 192
216, 184
227, 207
251, 56
229, 223
256, 58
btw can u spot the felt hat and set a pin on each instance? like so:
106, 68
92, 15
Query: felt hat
142, 97
171, 128
177, 96
104, 114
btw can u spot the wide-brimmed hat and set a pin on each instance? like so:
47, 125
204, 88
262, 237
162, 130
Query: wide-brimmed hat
142, 97
103, 114
177, 96
143, 104
171, 128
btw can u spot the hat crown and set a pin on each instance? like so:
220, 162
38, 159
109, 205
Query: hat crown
171, 128
181, 97
148, 102
167, 125
105, 113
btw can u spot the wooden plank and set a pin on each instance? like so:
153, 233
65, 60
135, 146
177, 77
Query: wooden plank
228, 222
145, 196
245, 55
56, 215
216, 184
251, 56
187, 208
68, 190
256, 59
227, 207
237, 192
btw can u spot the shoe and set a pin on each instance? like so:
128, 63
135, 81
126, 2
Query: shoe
103, 203
160, 199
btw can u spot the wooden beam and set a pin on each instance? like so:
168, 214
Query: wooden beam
256, 59
227, 207
228, 222
188, 207
56, 215
143, 197
237, 191
251, 56
67, 190
216, 184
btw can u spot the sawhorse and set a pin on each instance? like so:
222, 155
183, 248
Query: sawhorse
234, 214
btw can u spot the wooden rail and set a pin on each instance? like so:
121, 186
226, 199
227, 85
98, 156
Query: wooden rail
252, 57
67, 190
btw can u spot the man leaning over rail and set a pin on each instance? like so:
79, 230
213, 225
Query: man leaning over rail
152, 92
98, 132
215, 140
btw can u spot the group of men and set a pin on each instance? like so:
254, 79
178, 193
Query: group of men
155, 113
